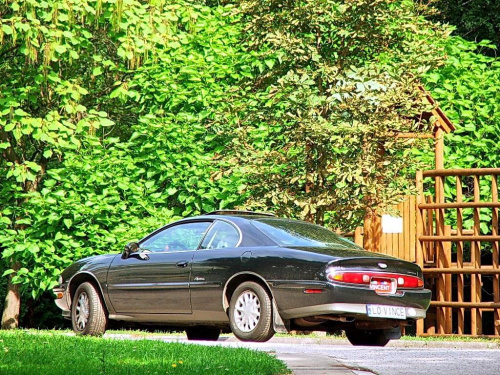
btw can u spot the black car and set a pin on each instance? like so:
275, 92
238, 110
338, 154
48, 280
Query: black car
250, 273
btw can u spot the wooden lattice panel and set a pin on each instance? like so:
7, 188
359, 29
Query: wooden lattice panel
460, 264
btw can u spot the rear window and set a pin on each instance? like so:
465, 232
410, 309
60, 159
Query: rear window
300, 233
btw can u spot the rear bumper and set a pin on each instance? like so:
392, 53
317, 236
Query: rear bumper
344, 300
344, 309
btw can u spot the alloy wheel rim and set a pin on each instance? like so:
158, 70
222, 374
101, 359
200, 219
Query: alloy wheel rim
82, 311
247, 311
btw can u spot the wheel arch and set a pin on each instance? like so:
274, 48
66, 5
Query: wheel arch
239, 278
81, 278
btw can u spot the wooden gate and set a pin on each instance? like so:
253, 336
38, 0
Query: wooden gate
458, 249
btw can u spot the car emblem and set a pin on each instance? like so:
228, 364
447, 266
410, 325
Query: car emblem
382, 265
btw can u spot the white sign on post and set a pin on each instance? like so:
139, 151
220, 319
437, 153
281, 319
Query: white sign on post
392, 224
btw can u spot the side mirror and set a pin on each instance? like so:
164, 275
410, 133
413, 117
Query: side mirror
130, 248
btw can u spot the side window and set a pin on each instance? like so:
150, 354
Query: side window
221, 235
177, 238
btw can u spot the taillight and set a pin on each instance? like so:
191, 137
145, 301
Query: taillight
368, 278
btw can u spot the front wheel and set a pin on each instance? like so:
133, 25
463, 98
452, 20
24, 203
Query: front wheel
250, 313
88, 315
375, 337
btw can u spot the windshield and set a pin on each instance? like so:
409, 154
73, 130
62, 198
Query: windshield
300, 233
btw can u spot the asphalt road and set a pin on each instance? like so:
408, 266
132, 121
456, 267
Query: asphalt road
315, 356
421, 361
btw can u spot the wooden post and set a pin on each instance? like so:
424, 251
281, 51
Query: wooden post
402, 249
439, 147
440, 254
476, 314
460, 258
496, 278
412, 220
372, 231
439, 248
419, 254
447, 312
358, 236
367, 230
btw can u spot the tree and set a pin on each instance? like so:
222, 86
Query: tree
467, 91
43, 108
316, 128
475, 20
88, 128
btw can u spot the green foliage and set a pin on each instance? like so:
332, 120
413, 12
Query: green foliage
466, 88
474, 20
113, 139
51, 101
330, 85
175, 142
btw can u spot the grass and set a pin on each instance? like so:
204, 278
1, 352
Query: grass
56, 353
451, 338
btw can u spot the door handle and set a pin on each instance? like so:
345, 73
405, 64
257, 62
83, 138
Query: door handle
182, 264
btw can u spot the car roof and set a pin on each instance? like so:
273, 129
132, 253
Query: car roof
242, 213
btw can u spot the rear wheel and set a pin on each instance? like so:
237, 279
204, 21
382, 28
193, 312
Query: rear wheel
375, 337
250, 313
88, 315
203, 333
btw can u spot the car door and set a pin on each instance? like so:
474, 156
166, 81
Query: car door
155, 280
217, 259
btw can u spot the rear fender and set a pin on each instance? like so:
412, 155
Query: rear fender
278, 323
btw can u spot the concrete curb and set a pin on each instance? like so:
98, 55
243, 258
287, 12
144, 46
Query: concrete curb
414, 344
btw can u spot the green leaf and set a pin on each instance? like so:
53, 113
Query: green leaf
7, 29
10, 126
23, 271
47, 153
20, 112
5, 220
68, 223
106, 122
269, 63
8, 272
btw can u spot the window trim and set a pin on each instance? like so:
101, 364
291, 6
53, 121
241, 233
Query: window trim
175, 224
238, 230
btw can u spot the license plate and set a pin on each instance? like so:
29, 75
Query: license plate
385, 311
383, 286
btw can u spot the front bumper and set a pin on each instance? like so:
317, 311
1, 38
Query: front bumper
61, 300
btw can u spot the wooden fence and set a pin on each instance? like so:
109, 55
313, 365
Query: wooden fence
401, 245
460, 263
455, 239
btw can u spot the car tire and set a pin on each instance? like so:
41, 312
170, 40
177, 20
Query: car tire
88, 314
375, 337
250, 313
203, 333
